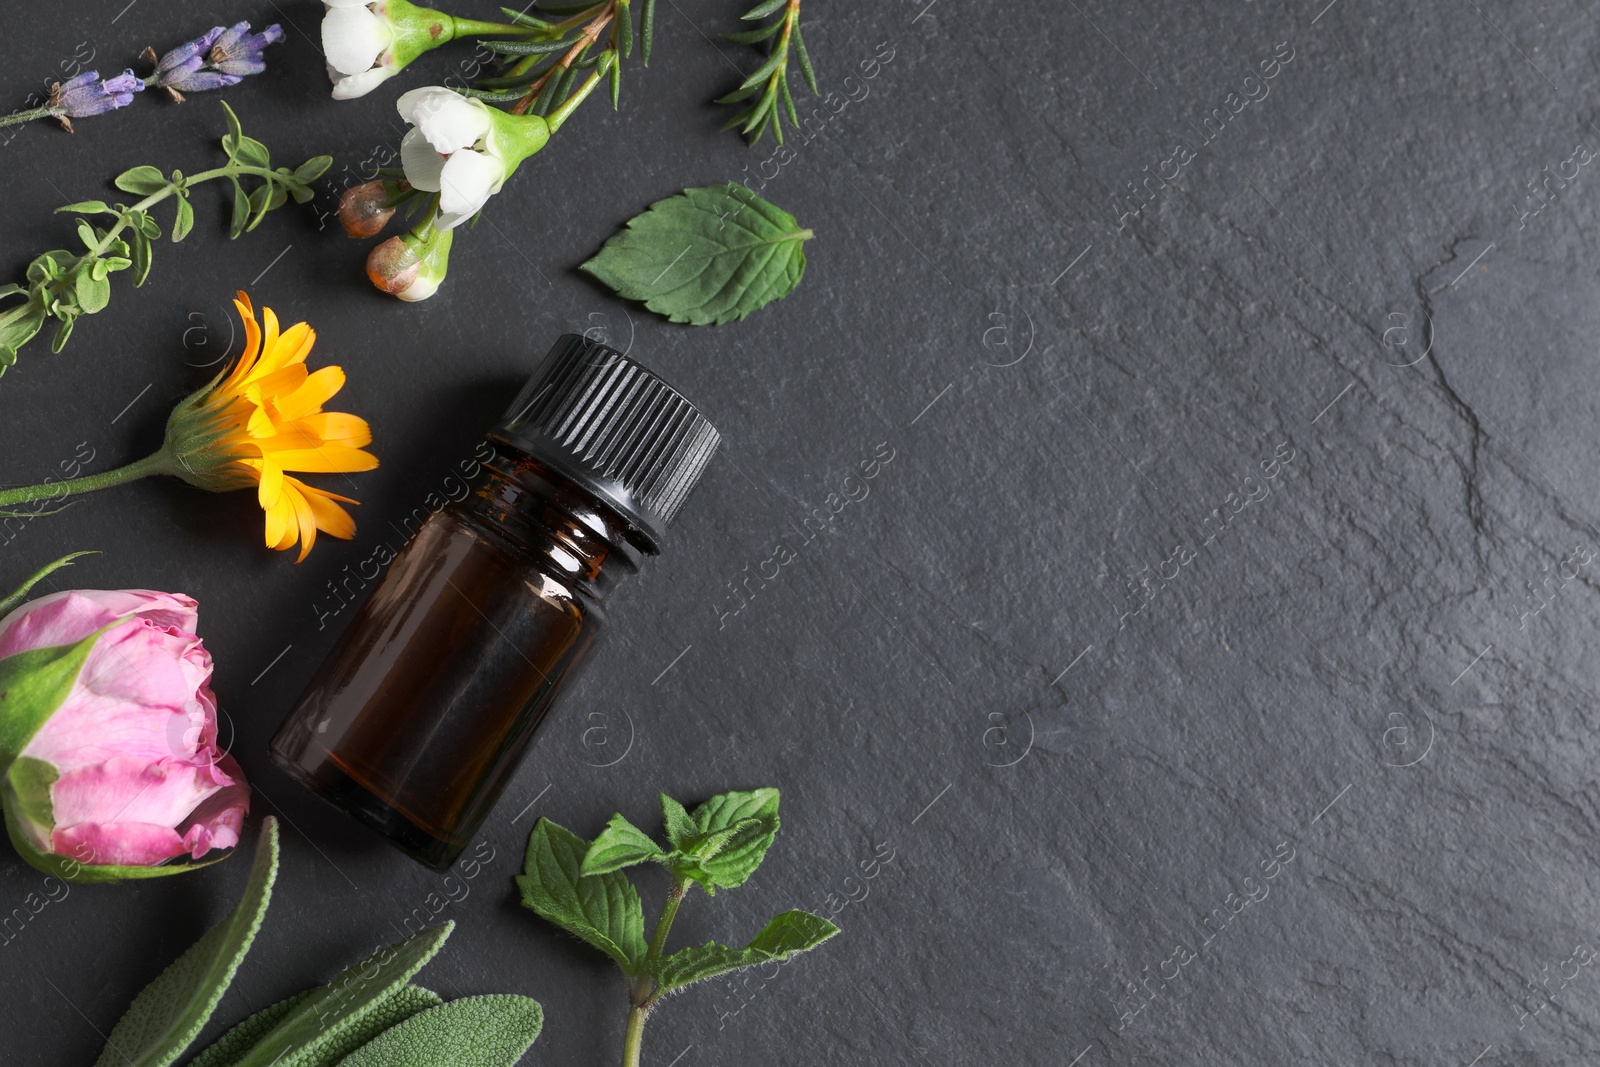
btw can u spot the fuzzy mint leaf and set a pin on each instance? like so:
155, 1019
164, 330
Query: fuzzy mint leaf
491, 1031
680, 827
169, 1014
621, 844
711, 254
601, 910
324, 1021
787, 934
732, 832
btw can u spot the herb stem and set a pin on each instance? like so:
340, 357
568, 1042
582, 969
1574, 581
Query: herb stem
158, 463
641, 994
46, 112
559, 115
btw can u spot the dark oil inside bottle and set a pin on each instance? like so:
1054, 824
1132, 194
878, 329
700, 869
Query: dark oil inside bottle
417, 720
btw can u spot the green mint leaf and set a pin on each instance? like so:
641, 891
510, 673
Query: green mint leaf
492, 1031
603, 910
708, 255
169, 1014
621, 844
680, 827
732, 834
142, 180
788, 934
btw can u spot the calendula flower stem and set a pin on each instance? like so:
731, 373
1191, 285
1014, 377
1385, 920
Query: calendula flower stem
46, 112
159, 463
642, 996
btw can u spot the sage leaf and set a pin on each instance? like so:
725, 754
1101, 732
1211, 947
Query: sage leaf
169, 1014
325, 1019
491, 1031
709, 255
602, 910
621, 844
787, 934
232, 1046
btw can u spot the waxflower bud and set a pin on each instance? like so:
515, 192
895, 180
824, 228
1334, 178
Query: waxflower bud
411, 267
110, 760
364, 210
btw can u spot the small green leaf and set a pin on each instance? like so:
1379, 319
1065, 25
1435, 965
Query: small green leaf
762, 10
790, 933
492, 1031
602, 910
325, 1019
172, 1010
63, 333
755, 35
680, 827
733, 833
22, 329
183, 222
252, 153
709, 255
32, 685
88, 207
141, 257
241, 211
93, 293
235, 131
142, 180
11, 289
88, 235
621, 844
647, 29
312, 169
805, 60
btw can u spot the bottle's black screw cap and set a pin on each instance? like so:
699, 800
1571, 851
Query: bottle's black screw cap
614, 428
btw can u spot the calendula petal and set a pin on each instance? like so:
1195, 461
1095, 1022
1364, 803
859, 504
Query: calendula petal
313, 491
305, 519
280, 517
319, 388
269, 332
252, 344
337, 427
329, 459
271, 486
331, 518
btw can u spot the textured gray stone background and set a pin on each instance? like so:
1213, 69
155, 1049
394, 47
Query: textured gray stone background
1347, 687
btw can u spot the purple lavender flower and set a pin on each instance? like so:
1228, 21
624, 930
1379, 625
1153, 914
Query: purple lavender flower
214, 60
238, 51
87, 95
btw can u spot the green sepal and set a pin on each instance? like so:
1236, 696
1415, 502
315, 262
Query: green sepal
33, 685
20, 593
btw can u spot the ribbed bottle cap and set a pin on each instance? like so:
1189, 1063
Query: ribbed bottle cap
610, 425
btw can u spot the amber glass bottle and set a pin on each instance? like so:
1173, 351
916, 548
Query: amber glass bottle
418, 718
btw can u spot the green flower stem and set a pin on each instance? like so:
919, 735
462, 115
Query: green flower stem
559, 115
126, 217
642, 996
46, 112
159, 463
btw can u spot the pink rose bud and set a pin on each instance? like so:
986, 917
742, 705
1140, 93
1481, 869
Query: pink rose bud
108, 736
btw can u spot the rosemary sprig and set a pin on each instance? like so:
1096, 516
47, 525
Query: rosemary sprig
771, 79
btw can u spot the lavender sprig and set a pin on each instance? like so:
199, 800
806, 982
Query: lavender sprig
216, 59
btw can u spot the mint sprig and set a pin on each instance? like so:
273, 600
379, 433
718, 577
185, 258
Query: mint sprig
580, 887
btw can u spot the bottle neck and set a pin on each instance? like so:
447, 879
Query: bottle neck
559, 527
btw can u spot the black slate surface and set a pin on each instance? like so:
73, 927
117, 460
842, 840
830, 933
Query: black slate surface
1183, 656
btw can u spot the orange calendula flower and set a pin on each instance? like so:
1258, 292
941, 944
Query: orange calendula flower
262, 421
